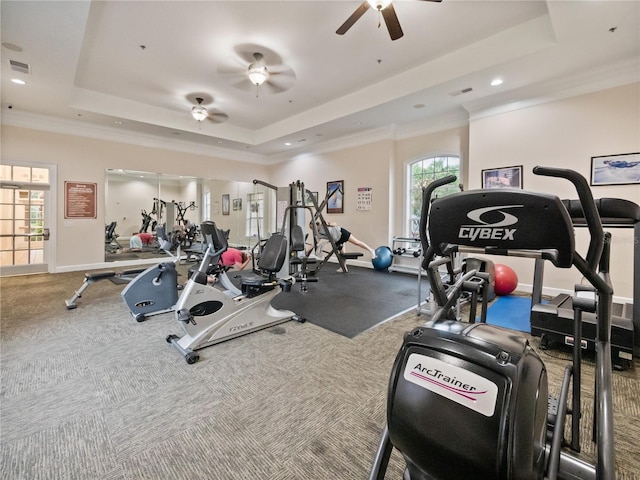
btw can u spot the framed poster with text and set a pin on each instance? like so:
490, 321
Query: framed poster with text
80, 200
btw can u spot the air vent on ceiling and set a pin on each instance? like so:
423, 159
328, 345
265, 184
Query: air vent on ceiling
460, 92
20, 67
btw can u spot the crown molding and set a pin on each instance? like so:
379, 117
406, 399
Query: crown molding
433, 125
99, 132
594, 80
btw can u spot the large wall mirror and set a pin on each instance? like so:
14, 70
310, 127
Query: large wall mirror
135, 200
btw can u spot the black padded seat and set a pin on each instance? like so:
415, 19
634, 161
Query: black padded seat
612, 211
271, 260
99, 275
351, 255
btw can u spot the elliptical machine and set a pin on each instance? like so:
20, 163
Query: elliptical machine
470, 400
209, 315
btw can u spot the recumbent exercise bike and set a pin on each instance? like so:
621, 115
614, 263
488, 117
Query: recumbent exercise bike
209, 315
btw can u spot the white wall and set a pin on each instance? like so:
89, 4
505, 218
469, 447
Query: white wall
80, 243
560, 133
380, 165
123, 201
565, 133
236, 220
368, 165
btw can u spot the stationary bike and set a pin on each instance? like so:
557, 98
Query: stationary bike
209, 315
471, 400
155, 290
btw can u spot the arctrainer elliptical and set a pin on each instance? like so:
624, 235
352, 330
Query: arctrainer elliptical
470, 400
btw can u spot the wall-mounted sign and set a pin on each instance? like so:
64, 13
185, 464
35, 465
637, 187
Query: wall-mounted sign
80, 200
365, 197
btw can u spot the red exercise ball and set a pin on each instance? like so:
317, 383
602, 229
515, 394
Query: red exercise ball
506, 280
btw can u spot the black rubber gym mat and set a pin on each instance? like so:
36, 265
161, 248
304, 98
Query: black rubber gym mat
351, 303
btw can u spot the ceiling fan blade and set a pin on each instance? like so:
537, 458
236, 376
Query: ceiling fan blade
392, 22
438, 1
243, 84
364, 6
272, 87
217, 117
232, 70
246, 53
278, 83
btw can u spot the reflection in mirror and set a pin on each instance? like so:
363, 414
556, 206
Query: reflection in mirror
139, 202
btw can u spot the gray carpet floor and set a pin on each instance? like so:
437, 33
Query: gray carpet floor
92, 394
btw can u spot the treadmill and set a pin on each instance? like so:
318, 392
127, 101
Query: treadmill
553, 321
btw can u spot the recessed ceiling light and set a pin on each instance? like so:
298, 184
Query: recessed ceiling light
117, 122
17, 81
496, 81
419, 105
287, 143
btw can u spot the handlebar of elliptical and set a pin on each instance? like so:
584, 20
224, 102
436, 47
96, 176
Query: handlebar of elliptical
424, 212
596, 232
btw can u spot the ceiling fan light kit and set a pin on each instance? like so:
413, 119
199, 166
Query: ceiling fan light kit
198, 111
258, 74
379, 4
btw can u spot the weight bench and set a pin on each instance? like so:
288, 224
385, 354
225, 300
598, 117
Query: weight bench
343, 257
93, 277
350, 255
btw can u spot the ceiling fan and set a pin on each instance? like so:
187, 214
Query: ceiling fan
200, 113
384, 8
257, 67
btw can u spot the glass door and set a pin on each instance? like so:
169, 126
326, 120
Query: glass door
24, 232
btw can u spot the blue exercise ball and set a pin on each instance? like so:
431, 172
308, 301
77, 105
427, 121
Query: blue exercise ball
383, 258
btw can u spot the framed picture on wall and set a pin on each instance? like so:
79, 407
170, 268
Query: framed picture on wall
335, 194
237, 204
621, 169
504, 177
311, 198
225, 204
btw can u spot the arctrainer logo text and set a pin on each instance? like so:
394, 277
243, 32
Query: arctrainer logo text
454, 383
490, 231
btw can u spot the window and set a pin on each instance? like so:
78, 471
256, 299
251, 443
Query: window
420, 174
255, 214
22, 214
206, 207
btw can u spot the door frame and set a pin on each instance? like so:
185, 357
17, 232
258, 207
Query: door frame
50, 222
